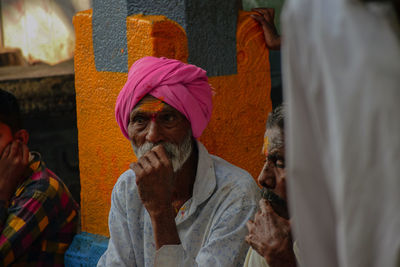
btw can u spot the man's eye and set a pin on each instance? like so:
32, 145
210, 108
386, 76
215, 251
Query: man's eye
276, 160
168, 118
272, 158
139, 119
280, 164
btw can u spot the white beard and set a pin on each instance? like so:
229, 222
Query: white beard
178, 154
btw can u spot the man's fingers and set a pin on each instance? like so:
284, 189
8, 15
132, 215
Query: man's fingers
145, 163
14, 149
25, 154
161, 154
265, 206
258, 18
268, 20
137, 169
253, 241
267, 209
258, 215
159, 151
267, 25
6, 151
271, 12
261, 10
267, 13
153, 159
248, 239
133, 166
250, 225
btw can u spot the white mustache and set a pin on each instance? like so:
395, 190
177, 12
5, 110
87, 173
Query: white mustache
178, 154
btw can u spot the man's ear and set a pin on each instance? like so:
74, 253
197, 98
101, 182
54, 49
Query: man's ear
22, 135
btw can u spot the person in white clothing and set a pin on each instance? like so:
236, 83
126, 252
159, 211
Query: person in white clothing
341, 70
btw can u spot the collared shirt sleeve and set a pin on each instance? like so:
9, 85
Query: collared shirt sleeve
28, 216
224, 247
119, 251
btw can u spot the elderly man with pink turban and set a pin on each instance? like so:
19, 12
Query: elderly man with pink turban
177, 205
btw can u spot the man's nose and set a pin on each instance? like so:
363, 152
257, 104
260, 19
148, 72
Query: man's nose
153, 134
267, 177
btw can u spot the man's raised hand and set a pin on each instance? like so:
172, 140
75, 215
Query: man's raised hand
155, 180
13, 163
265, 17
270, 235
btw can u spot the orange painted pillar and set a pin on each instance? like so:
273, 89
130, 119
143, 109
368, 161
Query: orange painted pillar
241, 104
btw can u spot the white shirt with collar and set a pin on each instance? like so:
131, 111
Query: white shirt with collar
211, 225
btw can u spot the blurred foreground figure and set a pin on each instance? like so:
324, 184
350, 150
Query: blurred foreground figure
341, 63
38, 216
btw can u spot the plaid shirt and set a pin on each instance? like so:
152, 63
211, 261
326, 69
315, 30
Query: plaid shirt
39, 222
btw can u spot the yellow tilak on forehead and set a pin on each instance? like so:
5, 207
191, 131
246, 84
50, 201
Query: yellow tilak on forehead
265, 146
152, 105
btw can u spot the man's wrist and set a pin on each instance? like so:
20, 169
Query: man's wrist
289, 261
285, 259
164, 227
162, 213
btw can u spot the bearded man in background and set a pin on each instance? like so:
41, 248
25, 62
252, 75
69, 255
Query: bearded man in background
177, 205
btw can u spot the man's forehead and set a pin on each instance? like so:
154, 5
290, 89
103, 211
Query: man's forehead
150, 104
273, 139
265, 145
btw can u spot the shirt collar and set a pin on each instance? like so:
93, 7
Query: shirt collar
205, 181
35, 161
35, 165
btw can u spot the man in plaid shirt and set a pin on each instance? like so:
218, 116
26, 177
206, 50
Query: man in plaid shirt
38, 216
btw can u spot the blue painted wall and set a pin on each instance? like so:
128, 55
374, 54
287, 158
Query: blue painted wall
109, 35
210, 27
85, 250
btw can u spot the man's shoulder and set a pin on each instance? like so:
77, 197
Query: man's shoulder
126, 184
235, 190
234, 179
43, 180
45, 187
47, 181
127, 178
125, 194
225, 170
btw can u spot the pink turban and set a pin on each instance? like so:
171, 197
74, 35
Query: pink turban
183, 86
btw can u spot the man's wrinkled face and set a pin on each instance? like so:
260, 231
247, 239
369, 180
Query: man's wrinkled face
153, 122
6, 136
273, 174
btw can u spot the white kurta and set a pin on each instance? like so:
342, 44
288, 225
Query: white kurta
341, 68
211, 225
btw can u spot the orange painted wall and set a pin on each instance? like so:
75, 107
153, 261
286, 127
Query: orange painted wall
241, 104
